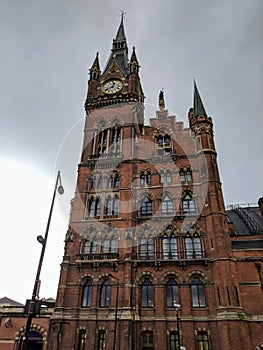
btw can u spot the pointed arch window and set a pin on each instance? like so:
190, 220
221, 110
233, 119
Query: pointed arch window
198, 293
193, 246
164, 145
100, 182
106, 245
87, 294
172, 293
202, 340
188, 204
105, 292
146, 247
147, 207
113, 245
145, 178
94, 246
167, 206
186, 175
147, 291
115, 206
92, 205
114, 180
169, 243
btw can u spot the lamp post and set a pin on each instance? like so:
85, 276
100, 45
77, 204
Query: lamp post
116, 312
43, 241
177, 306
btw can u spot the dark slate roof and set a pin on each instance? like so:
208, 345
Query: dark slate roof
247, 219
199, 109
9, 302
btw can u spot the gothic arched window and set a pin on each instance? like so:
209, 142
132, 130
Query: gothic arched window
147, 340
193, 247
147, 290
105, 292
188, 204
147, 207
87, 294
102, 340
174, 340
198, 293
147, 247
172, 293
169, 243
81, 339
167, 206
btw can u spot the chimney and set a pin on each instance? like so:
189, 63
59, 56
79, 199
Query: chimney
260, 204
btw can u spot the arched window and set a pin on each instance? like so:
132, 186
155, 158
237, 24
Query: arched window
174, 340
109, 206
101, 340
87, 246
146, 247
94, 246
172, 293
168, 176
147, 207
115, 206
147, 293
94, 181
186, 176
164, 145
92, 204
167, 206
147, 340
81, 340
169, 241
100, 181
202, 340
113, 245
87, 294
114, 180
193, 247
145, 178
97, 207
105, 292
106, 245
198, 293
188, 205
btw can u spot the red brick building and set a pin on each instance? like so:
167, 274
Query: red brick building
152, 260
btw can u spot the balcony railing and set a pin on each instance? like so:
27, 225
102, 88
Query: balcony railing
98, 256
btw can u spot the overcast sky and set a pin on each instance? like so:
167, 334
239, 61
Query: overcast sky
47, 48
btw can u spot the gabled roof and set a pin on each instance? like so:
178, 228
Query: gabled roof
5, 301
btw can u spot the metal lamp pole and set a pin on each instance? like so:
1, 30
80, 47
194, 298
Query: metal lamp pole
116, 312
177, 306
43, 241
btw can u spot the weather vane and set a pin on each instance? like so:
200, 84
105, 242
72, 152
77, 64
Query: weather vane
122, 14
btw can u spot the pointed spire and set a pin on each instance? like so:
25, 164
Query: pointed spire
161, 100
95, 68
199, 109
120, 33
134, 64
119, 51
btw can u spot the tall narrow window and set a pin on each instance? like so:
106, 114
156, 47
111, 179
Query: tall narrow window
147, 340
105, 292
87, 246
198, 293
202, 339
101, 340
106, 245
143, 247
167, 206
188, 204
147, 207
100, 181
169, 241
94, 246
193, 247
97, 207
81, 340
113, 245
172, 293
109, 206
174, 341
146, 247
147, 293
168, 176
92, 204
87, 294
115, 208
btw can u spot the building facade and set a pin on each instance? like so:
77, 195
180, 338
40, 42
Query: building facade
152, 260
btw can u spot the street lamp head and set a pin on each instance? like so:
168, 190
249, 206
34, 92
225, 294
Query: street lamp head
60, 189
40, 239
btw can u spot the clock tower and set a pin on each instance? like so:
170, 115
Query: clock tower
148, 260
119, 82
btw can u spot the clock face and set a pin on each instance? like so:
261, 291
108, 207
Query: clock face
112, 86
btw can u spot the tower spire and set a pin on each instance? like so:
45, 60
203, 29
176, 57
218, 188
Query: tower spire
199, 109
119, 51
